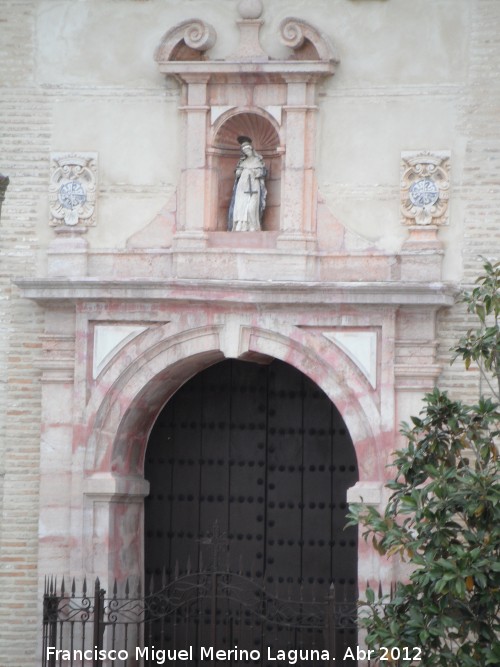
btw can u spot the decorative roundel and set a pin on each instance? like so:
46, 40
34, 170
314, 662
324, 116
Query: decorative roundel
424, 193
72, 194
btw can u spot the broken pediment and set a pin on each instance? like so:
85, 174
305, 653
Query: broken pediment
191, 41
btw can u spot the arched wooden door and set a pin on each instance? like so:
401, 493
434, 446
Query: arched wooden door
262, 451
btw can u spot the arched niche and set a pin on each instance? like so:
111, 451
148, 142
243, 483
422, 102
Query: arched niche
247, 93
224, 153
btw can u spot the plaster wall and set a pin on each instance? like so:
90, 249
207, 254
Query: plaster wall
94, 60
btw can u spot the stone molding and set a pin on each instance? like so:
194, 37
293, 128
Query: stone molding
46, 291
275, 70
57, 361
113, 488
416, 377
366, 492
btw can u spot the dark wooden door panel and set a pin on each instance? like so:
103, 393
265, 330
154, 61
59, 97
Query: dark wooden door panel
263, 452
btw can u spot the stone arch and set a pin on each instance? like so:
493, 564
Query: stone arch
120, 417
134, 388
335, 373
224, 151
252, 121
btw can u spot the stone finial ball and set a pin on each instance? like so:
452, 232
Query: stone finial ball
250, 9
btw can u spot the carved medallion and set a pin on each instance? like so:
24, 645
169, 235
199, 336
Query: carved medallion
424, 193
72, 190
424, 188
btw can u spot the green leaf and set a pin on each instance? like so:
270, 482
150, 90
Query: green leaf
444, 513
370, 595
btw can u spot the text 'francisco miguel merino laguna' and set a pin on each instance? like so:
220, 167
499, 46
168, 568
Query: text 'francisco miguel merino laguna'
208, 653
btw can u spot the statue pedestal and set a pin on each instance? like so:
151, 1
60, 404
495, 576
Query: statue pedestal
67, 254
296, 242
422, 255
189, 240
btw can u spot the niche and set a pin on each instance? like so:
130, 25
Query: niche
224, 153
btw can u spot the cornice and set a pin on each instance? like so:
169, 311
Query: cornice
235, 73
51, 291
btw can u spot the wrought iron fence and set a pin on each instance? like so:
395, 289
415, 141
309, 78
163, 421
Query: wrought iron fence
191, 618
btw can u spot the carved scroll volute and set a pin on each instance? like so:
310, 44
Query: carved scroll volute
307, 42
186, 41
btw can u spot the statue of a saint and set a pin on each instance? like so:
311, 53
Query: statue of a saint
249, 192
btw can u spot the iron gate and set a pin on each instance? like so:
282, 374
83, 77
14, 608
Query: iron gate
197, 614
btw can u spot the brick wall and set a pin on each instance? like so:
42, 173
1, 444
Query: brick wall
25, 130
479, 184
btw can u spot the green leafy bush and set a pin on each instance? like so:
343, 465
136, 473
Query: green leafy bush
443, 516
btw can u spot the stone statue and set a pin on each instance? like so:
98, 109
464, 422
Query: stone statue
248, 200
